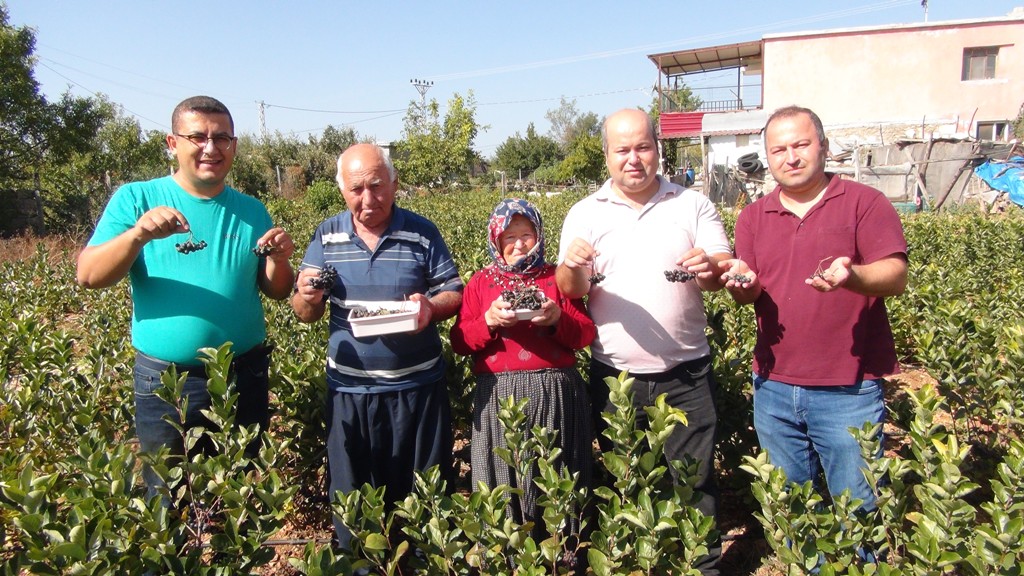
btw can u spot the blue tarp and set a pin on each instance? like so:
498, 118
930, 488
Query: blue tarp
1006, 176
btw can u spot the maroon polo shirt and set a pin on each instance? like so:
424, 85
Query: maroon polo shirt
806, 337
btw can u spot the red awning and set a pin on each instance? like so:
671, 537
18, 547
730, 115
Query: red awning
680, 124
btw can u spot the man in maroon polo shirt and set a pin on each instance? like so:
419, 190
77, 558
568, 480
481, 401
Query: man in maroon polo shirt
817, 257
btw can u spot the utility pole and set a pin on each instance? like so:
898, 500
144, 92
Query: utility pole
924, 4
422, 86
263, 119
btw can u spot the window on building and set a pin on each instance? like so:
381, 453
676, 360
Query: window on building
998, 131
979, 63
742, 140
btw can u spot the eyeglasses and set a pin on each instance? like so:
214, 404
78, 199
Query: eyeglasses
220, 142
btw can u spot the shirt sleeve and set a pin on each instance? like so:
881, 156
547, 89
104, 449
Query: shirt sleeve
575, 329
470, 334
314, 256
879, 230
710, 233
443, 274
745, 237
120, 214
571, 230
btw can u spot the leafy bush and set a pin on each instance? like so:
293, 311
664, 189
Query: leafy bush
72, 499
324, 197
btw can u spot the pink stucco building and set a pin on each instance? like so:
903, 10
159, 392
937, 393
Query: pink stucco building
933, 79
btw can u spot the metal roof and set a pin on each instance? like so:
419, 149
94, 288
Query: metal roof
708, 59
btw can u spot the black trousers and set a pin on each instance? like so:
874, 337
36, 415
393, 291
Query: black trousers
689, 386
382, 439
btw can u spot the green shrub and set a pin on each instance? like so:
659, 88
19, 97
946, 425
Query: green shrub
324, 197
72, 499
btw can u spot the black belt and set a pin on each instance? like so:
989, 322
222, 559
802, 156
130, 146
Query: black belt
678, 372
199, 370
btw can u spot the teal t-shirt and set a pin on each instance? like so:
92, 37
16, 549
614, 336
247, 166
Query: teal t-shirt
184, 302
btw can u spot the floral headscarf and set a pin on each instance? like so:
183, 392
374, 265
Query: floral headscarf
500, 219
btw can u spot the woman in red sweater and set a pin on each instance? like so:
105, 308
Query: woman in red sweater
532, 358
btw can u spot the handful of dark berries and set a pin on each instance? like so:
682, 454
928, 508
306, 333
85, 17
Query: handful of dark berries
679, 275
739, 278
596, 278
820, 272
188, 246
263, 250
325, 279
524, 298
367, 313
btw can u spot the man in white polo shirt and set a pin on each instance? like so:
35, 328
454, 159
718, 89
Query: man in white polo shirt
644, 249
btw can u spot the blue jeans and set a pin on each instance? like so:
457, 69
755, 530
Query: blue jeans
805, 430
251, 373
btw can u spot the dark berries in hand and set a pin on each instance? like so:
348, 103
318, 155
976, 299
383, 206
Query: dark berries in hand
324, 280
739, 278
596, 278
822, 272
679, 275
524, 298
263, 250
189, 246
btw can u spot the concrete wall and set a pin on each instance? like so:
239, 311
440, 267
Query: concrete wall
724, 149
21, 211
902, 76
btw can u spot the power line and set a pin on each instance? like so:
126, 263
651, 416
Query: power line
191, 89
95, 95
644, 89
268, 105
693, 40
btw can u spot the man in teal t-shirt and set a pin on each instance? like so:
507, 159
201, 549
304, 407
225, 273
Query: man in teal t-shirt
197, 253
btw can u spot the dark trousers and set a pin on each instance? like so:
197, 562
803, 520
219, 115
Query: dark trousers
690, 386
252, 382
382, 439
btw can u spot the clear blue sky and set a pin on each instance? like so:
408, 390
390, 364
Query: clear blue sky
320, 62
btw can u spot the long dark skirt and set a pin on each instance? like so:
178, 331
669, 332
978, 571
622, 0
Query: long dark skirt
558, 400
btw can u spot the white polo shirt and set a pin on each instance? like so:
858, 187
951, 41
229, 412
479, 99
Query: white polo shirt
645, 324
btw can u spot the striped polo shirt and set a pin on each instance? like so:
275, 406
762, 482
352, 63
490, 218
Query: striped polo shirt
410, 258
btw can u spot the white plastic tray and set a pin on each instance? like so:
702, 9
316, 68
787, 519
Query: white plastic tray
525, 314
389, 324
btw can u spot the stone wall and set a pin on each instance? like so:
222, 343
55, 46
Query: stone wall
21, 211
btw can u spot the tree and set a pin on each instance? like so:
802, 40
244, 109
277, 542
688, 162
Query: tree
519, 155
31, 129
77, 184
585, 162
567, 124
680, 99
435, 152
319, 158
121, 152
579, 137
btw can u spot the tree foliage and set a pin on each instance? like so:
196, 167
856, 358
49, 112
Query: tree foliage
33, 130
568, 124
78, 184
436, 152
519, 156
570, 154
585, 161
679, 99
260, 162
